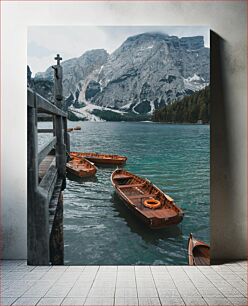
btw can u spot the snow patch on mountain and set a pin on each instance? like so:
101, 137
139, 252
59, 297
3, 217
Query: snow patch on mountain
86, 112
152, 107
126, 106
194, 83
91, 107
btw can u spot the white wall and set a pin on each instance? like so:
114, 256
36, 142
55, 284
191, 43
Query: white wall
228, 144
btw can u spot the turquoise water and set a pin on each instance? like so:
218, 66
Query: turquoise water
98, 229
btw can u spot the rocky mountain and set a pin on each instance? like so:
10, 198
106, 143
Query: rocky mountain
76, 72
150, 70
145, 73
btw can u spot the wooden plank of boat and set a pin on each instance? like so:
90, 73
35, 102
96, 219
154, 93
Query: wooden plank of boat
141, 196
81, 167
137, 192
131, 186
102, 159
198, 252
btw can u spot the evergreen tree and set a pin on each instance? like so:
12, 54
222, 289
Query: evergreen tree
190, 109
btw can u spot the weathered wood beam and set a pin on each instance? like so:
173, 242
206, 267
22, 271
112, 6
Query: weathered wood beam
45, 130
59, 127
44, 117
46, 148
47, 107
48, 181
58, 84
54, 201
38, 252
30, 98
56, 204
66, 136
56, 226
32, 174
57, 235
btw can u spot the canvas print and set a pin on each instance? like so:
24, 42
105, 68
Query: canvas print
118, 145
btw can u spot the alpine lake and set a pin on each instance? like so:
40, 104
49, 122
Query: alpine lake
100, 230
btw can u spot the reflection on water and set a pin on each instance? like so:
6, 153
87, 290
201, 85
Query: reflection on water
99, 229
72, 177
136, 226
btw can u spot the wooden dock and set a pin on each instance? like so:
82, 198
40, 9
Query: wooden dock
45, 165
46, 176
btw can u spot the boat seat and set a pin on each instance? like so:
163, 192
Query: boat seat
140, 196
122, 177
131, 185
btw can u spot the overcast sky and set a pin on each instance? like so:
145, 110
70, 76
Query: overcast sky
44, 42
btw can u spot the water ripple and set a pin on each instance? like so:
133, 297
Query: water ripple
98, 229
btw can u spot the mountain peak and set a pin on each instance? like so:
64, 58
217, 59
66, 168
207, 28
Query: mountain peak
94, 52
194, 42
147, 36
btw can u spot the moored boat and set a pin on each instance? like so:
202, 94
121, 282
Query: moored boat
69, 129
198, 252
77, 128
151, 205
81, 167
102, 159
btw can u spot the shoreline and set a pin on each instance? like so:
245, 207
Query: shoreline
147, 121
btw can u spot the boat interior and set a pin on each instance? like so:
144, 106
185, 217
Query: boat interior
80, 163
96, 155
137, 190
201, 255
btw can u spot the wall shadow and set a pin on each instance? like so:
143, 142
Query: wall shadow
222, 209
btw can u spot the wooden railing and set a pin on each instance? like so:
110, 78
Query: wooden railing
45, 187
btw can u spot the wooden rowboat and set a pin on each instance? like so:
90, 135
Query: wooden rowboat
77, 128
198, 252
101, 159
81, 167
142, 198
69, 129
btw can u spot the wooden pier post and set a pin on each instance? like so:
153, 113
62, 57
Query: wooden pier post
66, 138
57, 236
37, 208
59, 127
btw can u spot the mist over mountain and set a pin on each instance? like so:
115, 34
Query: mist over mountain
145, 73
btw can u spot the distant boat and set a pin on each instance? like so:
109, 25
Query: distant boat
77, 128
81, 167
198, 252
101, 159
152, 206
69, 129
